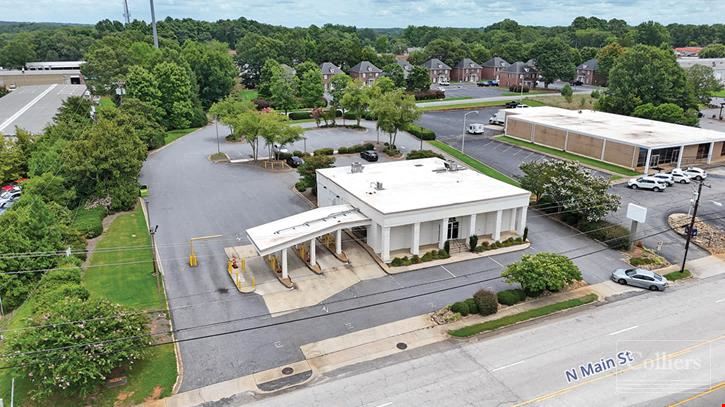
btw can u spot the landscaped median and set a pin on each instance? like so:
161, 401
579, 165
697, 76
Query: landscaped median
494, 324
589, 162
473, 163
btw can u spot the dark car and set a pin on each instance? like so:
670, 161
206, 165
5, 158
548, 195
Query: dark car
295, 161
493, 83
512, 104
369, 155
577, 83
483, 83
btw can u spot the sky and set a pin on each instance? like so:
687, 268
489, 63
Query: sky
373, 13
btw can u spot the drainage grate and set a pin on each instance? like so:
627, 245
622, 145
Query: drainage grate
222, 290
402, 346
287, 371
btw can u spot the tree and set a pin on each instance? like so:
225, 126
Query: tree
308, 170
666, 112
418, 79
177, 94
567, 92
213, 68
92, 337
283, 89
105, 162
142, 85
277, 130
645, 74
480, 53
17, 51
253, 50
311, 88
145, 119
713, 51
606, 57
536, 176
230, 107
394, 111
554, 60
703, 82
396, 74
51, 189
576, 191
338, 85
355, 100
107, 61
12, 160
542, 271
651, 33
264, 81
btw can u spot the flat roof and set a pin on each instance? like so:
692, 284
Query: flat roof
282, 233
418, 184
32, 107
618, 128
44, 72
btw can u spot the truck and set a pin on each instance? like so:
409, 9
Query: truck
498, 118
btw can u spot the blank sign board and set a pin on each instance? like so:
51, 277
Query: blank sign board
636, 213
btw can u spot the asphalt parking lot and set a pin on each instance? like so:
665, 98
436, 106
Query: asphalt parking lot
457, 90
225, 334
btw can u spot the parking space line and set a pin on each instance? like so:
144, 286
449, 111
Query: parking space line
719, 301
507, 366
624, 330
496, 261
527, 157
449, 272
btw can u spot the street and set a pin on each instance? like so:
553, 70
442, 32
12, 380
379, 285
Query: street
666, 347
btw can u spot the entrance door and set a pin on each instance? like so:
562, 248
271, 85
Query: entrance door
453, 228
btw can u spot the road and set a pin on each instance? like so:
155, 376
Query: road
675, 340
191, 197
495, 99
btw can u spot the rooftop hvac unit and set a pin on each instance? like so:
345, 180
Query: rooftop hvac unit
379, 186
356, 167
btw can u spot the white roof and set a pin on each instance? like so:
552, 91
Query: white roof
286, 232
622, 129
418, 184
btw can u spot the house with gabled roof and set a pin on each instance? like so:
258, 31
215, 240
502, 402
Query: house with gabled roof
588, 72
466, 70
328, 71
407, 67
437, 70
366, 72
492, 68
518, 73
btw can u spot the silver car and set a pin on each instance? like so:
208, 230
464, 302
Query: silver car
640, 278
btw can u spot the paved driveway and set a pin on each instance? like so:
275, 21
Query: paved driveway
456, 90
225, 334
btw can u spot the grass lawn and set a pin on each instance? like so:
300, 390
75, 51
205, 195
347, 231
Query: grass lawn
560, 101
132, 285
471, 330
676, 275
172, 135
248, 94
473, 163
589, 162
719, 94
459, 98
89, 221
531, 92
424, 108
106, 101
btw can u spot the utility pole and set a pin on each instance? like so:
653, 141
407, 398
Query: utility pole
216, 125
126, 15
691, 227
153, 25
152, 231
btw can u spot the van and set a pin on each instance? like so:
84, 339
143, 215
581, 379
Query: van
475, 128
498, 118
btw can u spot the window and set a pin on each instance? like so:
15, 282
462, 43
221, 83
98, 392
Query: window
702, 151
722, 152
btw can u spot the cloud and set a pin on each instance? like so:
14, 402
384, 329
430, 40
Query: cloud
374, 13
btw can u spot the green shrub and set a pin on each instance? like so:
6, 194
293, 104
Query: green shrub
391, 151
428, 256
472, 306
300, 115
526, 233
641, 261
417, 154
595, 94
486, 301
415, 259
298, 153
324, 151
447, 246
420, 132
460, 307
614, 236
533, 293
473, 242
396, 262
511, 297
300, 186
89, 222
54, 294
342, 150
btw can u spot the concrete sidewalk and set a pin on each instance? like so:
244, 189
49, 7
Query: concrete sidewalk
700, 268
493, 99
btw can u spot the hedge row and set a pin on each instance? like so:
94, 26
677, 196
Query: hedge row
511, 297
497, 245
357, 148
429, 94
417, 154
415, 259
517, 88
614, 236
484, 302
420, 132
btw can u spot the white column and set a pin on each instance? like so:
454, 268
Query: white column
646, 163
566, 141
497, 229
679, 156
472, 224
443, 235
521, 220
709, 154
371, 237
415, 243
313, 253
284, 263
604, 147
385, 244
338, 241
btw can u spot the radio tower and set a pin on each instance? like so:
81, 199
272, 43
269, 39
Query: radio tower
126, 15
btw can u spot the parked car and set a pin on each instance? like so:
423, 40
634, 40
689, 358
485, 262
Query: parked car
294, 161
369, 155
647, 183
475, 128
444, 83
664, 177
279, 149
577, 83
11, 195
483, 83
679, 176
696, 173
5, 206
493, 83
640, 278
512, 104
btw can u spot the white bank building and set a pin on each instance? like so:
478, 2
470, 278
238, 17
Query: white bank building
403, 208
418, 203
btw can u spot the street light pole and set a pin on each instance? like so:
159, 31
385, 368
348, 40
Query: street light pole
463, 136
690, 229
216, 124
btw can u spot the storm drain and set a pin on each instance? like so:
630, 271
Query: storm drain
287, 371
402, 345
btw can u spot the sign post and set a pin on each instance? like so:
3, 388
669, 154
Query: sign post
638, 214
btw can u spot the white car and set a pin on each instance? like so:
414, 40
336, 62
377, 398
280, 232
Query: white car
475, 128
679, 176
696, 173
10, 195
664, 177
444, 83
647, 183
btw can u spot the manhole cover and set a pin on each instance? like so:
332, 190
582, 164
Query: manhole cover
402, 346
222, 290
287, 370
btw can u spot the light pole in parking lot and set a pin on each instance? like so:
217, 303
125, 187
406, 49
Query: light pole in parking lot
690, 230
463, 137
216, 125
